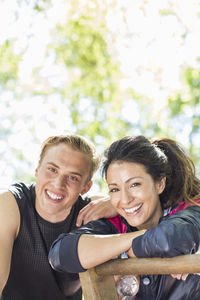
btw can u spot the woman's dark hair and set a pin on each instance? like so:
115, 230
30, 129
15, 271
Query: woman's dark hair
161, 158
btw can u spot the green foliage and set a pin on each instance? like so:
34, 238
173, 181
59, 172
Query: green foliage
38, 5
186, 108
192, 77
81, 45
84, 48
8, 63
41, 5
192, 98
166, 12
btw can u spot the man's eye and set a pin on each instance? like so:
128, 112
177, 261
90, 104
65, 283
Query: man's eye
73, 178
53, 170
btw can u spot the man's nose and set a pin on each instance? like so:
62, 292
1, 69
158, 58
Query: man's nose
60, 181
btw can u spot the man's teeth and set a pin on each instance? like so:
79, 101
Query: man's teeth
53, 196
132, 210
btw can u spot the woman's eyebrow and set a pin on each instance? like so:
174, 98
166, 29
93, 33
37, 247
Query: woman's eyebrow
134, 177
127, 181
112, 184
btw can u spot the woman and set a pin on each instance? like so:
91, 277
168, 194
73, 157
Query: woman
155, 191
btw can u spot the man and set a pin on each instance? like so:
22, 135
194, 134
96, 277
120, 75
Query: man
32, 216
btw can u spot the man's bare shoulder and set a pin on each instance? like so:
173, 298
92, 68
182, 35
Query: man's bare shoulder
9, 211
7, 198
4, 192
9, 227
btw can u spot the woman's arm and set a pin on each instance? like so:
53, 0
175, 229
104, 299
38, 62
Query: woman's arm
96, 249
175, 235
89, 246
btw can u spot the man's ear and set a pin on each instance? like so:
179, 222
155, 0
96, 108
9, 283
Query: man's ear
36, 171
87, 187
161, 185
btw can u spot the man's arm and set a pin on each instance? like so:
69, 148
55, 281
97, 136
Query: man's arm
9, 226
99, 207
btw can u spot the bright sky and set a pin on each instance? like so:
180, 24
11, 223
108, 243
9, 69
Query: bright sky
151, 49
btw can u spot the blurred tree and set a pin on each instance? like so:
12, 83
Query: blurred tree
92, 89
86, 78
8, 65
12, 159
185, 110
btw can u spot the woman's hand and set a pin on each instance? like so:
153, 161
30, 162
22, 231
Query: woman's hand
180, 276
130, 253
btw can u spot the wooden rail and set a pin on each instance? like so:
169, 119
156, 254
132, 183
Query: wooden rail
98, 283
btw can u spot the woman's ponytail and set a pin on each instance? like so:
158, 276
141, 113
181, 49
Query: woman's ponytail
182, 183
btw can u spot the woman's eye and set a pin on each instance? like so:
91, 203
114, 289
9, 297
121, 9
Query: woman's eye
113, 190
135, 184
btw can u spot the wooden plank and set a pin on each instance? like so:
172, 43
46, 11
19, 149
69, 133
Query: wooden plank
97, 287
179, 264
98, 283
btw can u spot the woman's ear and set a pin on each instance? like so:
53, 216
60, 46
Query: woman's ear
160, 185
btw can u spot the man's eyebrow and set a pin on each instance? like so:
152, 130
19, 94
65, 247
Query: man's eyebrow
76, 173
52, 163
56, 166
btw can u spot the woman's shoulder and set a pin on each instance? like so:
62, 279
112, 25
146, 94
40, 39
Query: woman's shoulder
189, 214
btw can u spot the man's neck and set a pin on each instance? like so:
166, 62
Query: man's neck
54, 217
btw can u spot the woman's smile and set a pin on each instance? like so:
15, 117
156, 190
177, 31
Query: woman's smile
134, 194
133, 210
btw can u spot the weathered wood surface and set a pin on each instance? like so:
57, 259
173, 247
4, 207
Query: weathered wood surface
97, 287
98, 283
179, 264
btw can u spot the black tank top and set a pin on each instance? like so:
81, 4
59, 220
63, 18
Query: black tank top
31, 276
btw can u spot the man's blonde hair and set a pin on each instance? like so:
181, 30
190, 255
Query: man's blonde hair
77, 143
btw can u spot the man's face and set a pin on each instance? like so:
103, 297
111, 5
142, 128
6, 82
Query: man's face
60, 177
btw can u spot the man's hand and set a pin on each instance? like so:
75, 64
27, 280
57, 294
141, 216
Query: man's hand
99, 207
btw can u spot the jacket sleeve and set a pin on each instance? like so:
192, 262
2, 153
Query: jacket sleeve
175, 235
63, 255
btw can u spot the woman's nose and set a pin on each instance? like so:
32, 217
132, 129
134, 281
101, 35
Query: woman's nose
125, 196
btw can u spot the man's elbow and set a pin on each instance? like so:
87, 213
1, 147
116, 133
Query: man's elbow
2, 285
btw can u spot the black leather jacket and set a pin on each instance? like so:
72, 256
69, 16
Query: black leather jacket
175, 234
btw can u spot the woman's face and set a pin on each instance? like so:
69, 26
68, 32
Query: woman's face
134, 194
